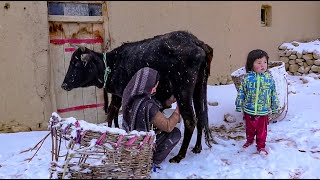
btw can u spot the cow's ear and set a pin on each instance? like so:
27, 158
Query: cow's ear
83, 49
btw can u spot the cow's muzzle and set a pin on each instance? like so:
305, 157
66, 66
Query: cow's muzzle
65, 87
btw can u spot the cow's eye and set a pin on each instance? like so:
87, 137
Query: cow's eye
78, 64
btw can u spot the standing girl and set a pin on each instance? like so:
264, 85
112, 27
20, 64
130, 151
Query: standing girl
256, 98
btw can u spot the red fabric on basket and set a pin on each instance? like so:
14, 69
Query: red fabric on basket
118, 142
131, 141
102, 137
145, 140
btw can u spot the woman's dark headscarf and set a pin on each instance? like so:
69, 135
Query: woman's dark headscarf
138, 105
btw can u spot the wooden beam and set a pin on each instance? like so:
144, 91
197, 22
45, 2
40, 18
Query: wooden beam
88, 19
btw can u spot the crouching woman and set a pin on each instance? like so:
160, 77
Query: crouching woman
141, 112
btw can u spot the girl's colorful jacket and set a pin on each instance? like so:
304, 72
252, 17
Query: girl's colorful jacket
257, 94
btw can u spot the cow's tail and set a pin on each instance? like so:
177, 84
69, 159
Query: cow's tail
209, 55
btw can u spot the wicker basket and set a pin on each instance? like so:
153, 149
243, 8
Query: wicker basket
99, 152
279, 74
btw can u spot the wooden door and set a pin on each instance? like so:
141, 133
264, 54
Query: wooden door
77, 28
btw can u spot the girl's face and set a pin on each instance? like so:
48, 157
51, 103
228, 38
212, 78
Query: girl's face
260, 65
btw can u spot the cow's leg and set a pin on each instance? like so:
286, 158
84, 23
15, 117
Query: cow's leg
106, 106
184, 100
113, 111
200, 111
201, 107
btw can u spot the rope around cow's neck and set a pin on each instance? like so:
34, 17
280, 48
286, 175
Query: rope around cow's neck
107, 69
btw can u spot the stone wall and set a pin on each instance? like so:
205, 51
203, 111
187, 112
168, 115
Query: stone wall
301, 58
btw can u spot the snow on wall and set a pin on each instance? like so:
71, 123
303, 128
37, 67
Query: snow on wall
307, 47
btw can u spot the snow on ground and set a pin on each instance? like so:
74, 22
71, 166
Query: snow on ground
293, 143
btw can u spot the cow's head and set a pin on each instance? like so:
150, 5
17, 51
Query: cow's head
86, 69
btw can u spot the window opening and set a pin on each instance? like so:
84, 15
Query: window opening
265, 15
74, 9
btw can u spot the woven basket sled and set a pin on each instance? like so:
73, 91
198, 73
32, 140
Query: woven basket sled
81, 150
279, 75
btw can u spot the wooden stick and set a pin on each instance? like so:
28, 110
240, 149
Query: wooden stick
42, 141
30, 149
52, 148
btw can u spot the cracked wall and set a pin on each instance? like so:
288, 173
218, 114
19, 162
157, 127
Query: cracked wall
24, 66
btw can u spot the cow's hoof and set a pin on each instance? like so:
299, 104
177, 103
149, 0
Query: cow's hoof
197, 149
109, 124
176, 159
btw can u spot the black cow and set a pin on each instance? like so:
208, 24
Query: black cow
183, 62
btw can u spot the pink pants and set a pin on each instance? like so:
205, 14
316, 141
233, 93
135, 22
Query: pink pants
256, 126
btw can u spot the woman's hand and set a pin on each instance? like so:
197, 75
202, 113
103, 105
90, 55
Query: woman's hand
177, 110
170, 101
